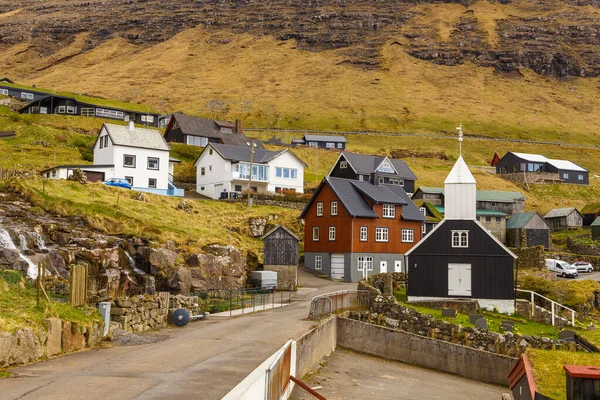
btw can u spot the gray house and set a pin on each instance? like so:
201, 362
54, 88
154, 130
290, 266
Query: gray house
281, 256
564, 218
528, 229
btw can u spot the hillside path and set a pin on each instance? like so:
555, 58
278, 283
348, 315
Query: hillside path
204, 360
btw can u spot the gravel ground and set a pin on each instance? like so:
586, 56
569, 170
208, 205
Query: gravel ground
126, 338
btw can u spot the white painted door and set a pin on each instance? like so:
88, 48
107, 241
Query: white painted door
459, 279
218, 190
382, 267
337, 266
397, 266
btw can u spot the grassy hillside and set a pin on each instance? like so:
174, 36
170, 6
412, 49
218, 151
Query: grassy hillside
270, 83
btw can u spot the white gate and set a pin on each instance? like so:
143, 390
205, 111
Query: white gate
459, 279
337, 266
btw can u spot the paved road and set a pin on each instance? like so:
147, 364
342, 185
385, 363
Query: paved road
348, 375
584, 276
201, 361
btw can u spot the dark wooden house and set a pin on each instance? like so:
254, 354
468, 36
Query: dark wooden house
197, 131
595, 227
564, 218
353, 229
64, 105
583, 382
460, 258
521, 380
374, 169
281, 256
590, 212
526, 166
528, 229
322, 141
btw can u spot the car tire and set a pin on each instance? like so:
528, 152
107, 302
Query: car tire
590, 270
563, 275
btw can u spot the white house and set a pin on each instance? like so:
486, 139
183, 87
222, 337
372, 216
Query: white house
139, 155
226, 168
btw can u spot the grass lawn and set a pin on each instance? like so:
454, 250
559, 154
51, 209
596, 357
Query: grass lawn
548, 369
19, 309
522, 325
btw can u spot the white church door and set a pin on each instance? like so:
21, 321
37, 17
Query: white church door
459, 280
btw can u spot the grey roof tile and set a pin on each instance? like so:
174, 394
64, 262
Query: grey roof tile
325, 138
365, 164
120, 135
242, 153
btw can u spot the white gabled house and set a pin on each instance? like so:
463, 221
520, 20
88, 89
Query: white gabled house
139, 155
222, 168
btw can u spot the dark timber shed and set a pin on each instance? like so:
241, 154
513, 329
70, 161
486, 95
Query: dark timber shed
595, 226
281, 256
527, 229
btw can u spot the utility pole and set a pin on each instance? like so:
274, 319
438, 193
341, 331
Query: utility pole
250, 177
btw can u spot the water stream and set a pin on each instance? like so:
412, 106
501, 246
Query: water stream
7, 242
149, 280
39, 241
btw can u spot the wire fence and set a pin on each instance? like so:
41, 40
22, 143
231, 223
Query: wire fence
245, 300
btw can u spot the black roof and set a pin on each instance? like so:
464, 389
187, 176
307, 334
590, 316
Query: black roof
365, 164
351, 192
205, 127
242, 153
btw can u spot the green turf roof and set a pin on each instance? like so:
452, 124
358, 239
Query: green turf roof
433, 190
87, 99
436, 215
591, 208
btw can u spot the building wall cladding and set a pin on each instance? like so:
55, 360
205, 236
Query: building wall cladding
280, 248
347, 173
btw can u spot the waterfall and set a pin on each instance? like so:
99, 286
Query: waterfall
39, 241
7, 242
132, 264
22, 242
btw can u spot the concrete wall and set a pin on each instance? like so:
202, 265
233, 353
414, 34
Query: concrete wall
425, 352
311, 348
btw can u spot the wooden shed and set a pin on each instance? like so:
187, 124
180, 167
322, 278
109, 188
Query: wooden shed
595, 226
527, 229
564, 218
281, 256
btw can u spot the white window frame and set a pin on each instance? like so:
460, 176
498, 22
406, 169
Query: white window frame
565, 175
343, 164
4, 92
88, 112
334, 208
129, 165
318, 262
423, 210
386, 167
61, 109
365, 262
28, 96
315, 233
408, 235
150, 183
319, 208
388, 211
71, 109
364, 233
147, 118
580, 177
460, 239
157, 163
329, 145
382, 234
129, 179
332, 233
340, 145
423, 228
202, 171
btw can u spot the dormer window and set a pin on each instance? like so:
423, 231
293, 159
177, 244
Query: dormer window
423, 210
460, 239
385, 166
343, 164
389, 211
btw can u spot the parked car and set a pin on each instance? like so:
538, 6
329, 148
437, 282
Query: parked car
583, 266
561, 268
119, 182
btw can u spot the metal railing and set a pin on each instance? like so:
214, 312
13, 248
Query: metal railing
329, 303
554, 308
246, 300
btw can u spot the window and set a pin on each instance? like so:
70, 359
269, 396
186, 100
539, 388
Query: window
315, 233
385, 166
408, 235
389, 211
71, 109
332, 233
333, 208
101, 141
101, 112
238, 188
53, 173
381, 180
87, 112
210, 151
129, 161
318, 262
423, 210
365, 263
226, 130
28, 96
319, 209
106, 141
152, 162
129, 179
196, 141
565, 176
330, 145
151, 182
381, 234
201, 187
43, 110
286, 172
61, 109
460, 238
259, 172
343, 164
202, 171
488, 219
210, 167
4, 92
364, 178
423, 229
580, 177
340, 145
396, 182
148, 118
498, 219
364, 233
312, 144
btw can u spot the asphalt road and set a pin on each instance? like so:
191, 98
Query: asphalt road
584, 276
204, 360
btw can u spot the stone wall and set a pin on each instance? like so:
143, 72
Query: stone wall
189, 303
531, 257
141, 313
540, 314
425, 352
287, 275
26, 346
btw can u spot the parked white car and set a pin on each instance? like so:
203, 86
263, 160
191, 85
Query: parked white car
583, 266
562, 268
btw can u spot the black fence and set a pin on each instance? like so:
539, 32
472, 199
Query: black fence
244, 300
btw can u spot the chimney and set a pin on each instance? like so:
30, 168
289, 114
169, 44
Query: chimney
238, 126
131, 126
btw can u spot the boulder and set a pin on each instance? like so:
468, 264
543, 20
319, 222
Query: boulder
181, 280
257, 226
162, 258
21, 347
73, 337
53, 341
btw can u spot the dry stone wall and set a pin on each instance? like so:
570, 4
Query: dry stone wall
141, 313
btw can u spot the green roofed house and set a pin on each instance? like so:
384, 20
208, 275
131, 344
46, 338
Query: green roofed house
596, 229
590, 212
528, 229
44, 101
504, 202
493, 221
431, 213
